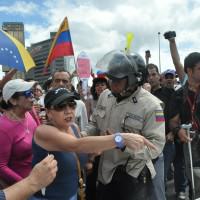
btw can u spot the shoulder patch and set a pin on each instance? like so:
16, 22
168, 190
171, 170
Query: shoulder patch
159, 116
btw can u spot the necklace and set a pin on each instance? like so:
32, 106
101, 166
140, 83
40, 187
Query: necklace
16, 118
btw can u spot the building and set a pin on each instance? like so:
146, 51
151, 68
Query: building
39, 52
16, 29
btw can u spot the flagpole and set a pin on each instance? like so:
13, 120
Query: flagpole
75, 64
159, 51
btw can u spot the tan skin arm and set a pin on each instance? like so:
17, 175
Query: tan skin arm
182, 135
41, 176
51, 139
7, 77
176, 58
147, 56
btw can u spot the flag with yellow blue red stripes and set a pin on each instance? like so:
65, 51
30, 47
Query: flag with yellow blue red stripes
159, 116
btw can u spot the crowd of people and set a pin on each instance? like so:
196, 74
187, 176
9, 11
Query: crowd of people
120, 143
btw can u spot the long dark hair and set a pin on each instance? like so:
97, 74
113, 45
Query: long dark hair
95, 81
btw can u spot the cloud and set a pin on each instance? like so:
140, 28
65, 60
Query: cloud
100, 26
20, 7
36, 33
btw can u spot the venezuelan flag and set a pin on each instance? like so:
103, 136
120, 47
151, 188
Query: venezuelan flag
13, 53
159, 116
62, 44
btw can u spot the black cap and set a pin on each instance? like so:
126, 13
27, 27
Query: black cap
57, 96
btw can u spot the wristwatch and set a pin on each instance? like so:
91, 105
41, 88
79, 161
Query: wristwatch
119, 140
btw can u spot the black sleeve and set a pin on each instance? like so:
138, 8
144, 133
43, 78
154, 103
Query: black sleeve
176, 103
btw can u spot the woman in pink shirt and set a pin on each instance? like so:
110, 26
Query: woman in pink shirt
16, 131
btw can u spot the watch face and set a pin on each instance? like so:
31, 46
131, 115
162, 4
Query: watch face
119, 141
118, 138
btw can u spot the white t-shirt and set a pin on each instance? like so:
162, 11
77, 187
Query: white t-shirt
81, 117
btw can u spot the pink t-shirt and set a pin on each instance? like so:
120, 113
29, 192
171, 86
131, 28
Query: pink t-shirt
16, 147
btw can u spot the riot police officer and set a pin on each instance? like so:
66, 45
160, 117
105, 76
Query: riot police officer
126, 107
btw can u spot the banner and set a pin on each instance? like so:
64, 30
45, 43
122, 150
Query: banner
83, 66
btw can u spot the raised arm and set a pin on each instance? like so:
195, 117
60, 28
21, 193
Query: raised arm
7, 77
147, 56
176, 59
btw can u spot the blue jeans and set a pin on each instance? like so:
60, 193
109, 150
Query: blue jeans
169, 155
158, 189
180, 179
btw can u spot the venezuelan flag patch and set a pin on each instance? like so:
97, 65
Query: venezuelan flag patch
159, 116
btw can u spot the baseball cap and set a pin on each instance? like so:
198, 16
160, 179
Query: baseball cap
57, 96
169, 71
16, 85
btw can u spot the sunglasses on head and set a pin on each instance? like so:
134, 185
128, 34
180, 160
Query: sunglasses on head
27, 93
62, 106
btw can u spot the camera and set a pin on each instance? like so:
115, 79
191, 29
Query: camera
147, 51
170, 34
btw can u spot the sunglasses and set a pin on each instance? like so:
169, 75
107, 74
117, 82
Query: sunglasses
62, 106
27, 94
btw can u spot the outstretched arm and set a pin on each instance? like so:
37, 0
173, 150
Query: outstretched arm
51, 139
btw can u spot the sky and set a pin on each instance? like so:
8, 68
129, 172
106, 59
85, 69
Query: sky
99, 26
